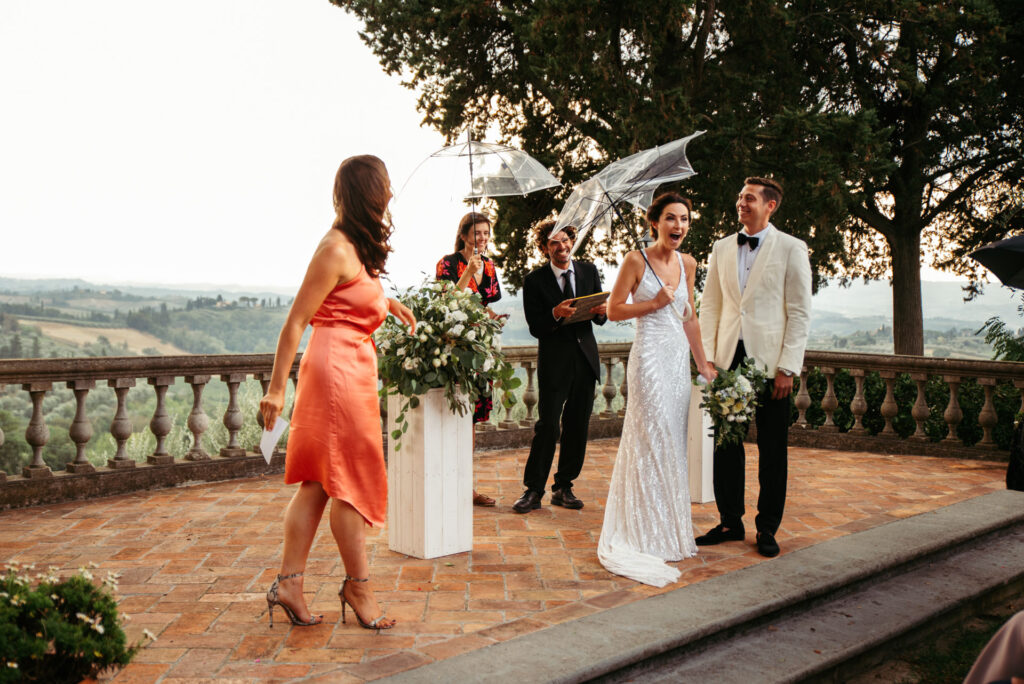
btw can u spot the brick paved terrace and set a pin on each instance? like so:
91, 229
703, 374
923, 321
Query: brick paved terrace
195, 562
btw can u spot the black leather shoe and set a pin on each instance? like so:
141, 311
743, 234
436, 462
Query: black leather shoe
566, 499
529, 501
719, 534
766, 544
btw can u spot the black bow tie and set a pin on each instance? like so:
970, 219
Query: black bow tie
744, 239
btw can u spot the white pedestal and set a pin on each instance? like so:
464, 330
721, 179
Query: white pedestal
430, 480
700, 450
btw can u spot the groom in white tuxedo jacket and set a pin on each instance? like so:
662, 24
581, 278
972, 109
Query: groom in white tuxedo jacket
757, 304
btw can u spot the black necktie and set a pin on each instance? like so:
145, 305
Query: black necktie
744, 239
567, 287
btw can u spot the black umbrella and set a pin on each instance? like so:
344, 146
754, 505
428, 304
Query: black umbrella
1005, 258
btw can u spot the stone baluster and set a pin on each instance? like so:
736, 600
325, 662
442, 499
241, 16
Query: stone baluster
987, 417
920, 411
121, 427
529, 394
37, 434
829, 403
608, 391
3, 475
624, 387
953, 413
264, 380
160, 425
858, 405
81, 428
889, 408
803, 400
506, 423
233, 416
198, 421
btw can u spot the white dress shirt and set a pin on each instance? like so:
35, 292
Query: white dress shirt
745, 257
558, 276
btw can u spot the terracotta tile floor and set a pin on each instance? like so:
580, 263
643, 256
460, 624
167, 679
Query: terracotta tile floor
195, 563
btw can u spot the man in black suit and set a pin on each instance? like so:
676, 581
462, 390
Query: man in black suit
567, 367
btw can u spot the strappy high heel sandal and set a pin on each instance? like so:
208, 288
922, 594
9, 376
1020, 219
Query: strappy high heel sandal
273, 600
372, 624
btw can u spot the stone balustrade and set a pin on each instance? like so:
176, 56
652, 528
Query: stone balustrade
890, 406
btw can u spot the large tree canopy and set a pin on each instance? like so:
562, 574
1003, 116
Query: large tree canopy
889, 123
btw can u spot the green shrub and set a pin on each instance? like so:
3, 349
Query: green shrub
59, 630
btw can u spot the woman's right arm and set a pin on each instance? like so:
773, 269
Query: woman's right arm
629, 275
331, 264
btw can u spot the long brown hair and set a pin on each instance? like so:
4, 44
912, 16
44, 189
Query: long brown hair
362, 190
466, 224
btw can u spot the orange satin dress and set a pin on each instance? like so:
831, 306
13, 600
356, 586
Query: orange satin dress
335, 433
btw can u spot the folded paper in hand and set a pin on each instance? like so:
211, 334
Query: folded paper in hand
269, 439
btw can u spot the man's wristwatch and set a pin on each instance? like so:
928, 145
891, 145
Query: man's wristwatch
785, 371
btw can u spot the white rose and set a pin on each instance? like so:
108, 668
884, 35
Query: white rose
423, 338
459, 316
428, 329
471, 335
401, 351
437, 363
409, 364
744, 385
488, 365
437, 351
457, 329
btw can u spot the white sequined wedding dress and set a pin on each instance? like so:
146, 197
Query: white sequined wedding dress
647, 514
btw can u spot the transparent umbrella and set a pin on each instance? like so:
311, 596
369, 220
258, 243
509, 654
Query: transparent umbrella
634, 179
472, 170
593, 203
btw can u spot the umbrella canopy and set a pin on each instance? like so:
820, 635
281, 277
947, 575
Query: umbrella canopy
473, 170
1005, 258
633, 179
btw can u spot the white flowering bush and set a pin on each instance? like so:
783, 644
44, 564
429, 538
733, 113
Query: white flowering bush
732, 399
55, 629
456, 346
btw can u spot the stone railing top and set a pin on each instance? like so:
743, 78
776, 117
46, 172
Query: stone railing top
13, 371
16, 371
1009, 370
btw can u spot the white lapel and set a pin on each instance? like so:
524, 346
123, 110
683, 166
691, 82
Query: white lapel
764, 257
730, 275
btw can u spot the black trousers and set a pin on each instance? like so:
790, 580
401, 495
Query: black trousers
772, 420
565, 404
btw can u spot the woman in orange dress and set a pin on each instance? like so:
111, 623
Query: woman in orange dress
335, 448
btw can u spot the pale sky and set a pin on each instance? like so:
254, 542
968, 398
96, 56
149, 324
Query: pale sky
197, 141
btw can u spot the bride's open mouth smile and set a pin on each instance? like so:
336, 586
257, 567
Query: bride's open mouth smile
676, 236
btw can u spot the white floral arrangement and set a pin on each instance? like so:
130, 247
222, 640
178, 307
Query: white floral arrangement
732, 399
456, 346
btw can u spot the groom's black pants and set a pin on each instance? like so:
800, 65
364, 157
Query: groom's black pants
772, 420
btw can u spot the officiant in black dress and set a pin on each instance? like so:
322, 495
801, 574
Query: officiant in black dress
568, 367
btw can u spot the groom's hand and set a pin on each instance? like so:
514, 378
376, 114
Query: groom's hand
783, 385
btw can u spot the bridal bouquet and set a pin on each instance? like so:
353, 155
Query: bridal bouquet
731, 399
456, 346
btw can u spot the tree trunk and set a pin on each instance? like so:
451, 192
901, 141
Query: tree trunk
907, 317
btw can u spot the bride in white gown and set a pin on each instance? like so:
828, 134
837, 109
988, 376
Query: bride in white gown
647, 514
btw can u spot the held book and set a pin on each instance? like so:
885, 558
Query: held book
584, 306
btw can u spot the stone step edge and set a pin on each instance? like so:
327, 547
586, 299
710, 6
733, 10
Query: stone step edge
836, 638
616, 638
